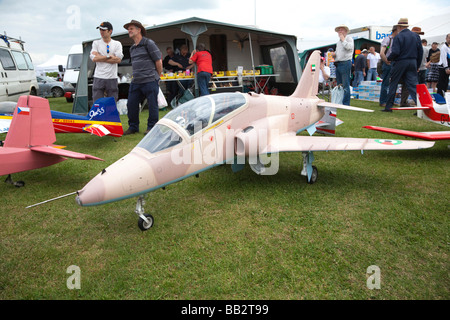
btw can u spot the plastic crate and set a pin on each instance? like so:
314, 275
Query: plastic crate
265, 69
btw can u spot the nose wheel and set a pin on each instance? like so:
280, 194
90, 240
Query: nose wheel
146, 224
145, 221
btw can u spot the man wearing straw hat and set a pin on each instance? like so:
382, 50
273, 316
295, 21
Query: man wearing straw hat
406, 55
146, 61
343, 60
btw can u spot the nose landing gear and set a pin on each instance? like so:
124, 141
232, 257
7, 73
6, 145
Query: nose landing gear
145, 221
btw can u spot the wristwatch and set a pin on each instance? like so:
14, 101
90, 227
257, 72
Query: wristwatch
108, 56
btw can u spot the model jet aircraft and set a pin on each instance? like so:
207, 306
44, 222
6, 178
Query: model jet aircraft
29, 142
103, 119
227, 128
435, 110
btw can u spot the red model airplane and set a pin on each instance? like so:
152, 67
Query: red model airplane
29, 142
103, 119
436, 111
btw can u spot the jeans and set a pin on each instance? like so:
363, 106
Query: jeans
406, 69
385, 84
203, 81
136, 94
359, 76
372, 74
343, 74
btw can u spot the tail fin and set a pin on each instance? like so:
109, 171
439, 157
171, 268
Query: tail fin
308, 86
31, 124
424, 96
105, 111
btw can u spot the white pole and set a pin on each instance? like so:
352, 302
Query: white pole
251, 54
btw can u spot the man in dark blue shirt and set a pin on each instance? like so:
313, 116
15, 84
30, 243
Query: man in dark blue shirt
360, 67
406, 54
146, 61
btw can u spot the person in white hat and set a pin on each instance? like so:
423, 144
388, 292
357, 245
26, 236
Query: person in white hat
343, 60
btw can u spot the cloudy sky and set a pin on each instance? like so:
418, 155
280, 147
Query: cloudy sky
51, 27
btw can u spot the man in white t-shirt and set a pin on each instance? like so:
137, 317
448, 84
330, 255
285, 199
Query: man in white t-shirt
107, 54
372, 61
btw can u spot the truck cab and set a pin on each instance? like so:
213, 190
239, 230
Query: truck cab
72, 71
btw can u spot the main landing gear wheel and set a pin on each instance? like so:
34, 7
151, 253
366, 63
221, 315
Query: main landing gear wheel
17, 184
314, 175
145, 225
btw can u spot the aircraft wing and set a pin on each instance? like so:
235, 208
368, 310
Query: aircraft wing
97, 129
293, 143
435, 135
54, 150
4, 125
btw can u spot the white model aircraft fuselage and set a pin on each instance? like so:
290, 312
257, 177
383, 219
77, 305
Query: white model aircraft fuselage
227, 128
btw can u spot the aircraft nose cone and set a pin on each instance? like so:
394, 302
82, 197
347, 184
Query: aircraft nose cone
92, 193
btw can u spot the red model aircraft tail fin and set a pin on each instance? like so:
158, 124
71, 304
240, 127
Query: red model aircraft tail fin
31, 124
308, 86
424, 96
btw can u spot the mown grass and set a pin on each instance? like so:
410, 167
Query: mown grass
238, 236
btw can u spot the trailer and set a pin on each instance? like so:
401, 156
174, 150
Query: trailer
244, 57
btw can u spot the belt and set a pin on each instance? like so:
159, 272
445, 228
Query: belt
337, 62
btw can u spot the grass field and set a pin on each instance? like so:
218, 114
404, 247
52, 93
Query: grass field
238, 236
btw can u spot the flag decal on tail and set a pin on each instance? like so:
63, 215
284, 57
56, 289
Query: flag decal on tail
23, 111
313, 67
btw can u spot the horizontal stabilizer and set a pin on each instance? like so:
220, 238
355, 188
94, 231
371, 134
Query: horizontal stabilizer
64, 153
341, 106
432, 136
97, 129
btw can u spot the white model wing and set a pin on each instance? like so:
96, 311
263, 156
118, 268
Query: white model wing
4, 125
291, 143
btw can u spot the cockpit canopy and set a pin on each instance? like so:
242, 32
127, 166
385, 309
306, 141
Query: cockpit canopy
192, 116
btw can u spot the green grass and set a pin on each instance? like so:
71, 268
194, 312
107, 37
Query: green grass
238, 236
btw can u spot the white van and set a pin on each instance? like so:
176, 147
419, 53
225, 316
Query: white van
17, 75
72, 71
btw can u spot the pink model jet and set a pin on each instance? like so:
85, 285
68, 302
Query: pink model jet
227, 128
436, 111
29, 142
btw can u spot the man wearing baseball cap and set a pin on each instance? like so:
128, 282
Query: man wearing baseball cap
147, 67
107, 54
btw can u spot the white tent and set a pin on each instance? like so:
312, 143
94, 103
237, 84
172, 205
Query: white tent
51, 65
435, 28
